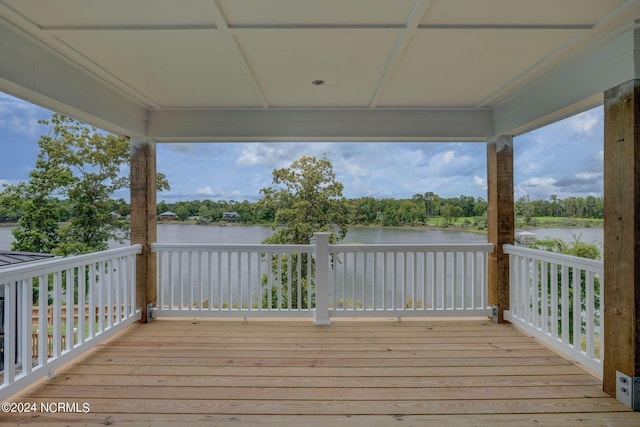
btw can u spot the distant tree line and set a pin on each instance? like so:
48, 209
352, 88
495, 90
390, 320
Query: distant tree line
419, 209
361, 211
571, 207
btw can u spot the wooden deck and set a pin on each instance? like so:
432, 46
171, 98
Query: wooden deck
290, 373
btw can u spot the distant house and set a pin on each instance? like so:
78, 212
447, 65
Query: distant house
525, 237
230, 216
168, 216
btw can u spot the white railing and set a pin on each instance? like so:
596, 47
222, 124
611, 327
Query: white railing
409, 280
99, 287
321, 280
557, 298
232, 280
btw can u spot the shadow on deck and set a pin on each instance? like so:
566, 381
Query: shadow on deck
291, 373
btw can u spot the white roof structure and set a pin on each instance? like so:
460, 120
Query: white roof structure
256, 70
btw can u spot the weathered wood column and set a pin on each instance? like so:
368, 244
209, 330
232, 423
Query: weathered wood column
143, 219
500, 219
622, 234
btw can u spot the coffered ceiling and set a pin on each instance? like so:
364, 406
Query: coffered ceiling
302, 69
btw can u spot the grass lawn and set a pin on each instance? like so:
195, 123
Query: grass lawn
559, 222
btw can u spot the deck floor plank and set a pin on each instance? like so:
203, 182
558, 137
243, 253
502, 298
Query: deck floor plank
356, 373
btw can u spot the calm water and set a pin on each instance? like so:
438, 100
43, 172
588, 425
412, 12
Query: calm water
181, 233
184, 233
586, 235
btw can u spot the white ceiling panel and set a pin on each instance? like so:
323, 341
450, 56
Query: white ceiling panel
510, 12
248, 13
94, 13
475, 65
173, 68
350, 62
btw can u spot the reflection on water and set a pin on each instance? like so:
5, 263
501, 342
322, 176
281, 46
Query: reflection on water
5, 238
254, 234
586, 235
187, 233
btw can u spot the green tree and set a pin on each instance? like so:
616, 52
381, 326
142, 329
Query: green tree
78, 163
309, 200
364, 210
450, 213
410, 212
480, 208
183, 211
36, 200
526, 208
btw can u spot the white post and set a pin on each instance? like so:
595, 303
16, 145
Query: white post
10, 330
321, 315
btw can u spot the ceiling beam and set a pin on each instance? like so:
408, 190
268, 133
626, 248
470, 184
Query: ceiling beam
321, 125
232, 44
404, 39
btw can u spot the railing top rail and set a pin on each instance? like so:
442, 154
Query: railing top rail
18, 272
216, 247
467, 247
583, 263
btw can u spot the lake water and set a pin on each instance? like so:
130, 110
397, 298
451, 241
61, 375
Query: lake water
256, 234
187, 233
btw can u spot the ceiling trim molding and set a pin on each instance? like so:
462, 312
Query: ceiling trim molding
579, 83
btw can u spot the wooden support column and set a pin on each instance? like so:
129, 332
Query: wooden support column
500, 219
143, 220
621, 233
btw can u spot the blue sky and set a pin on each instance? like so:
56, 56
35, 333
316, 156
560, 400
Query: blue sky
565, 159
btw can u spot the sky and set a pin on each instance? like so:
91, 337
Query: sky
564, 159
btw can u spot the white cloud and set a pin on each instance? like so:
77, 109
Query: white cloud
276, 155
448, 157
530, 167
206, 191
403, 157
588, 176
437, 161
257, 154
535, 181
583, 123
352, 168
21, 117
218, 194
481, 182
539, 188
